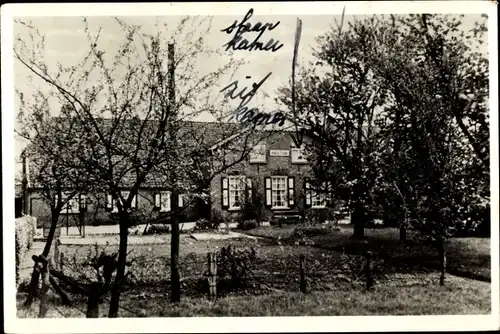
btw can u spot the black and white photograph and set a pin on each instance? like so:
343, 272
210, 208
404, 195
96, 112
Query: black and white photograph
215, 167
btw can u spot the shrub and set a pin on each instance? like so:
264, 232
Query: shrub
216, 219
248, 224
234, 267
102, 222
204, 224
25, 232
310, 231
157, 229
318, 216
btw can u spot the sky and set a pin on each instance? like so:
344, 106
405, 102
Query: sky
65, 42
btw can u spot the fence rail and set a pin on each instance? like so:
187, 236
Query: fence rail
213, 273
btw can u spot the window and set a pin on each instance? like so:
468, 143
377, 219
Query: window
280, 192
72, 205
233, 195
113, 207
298, 155
258, 153
162, 201
316, 198
237, 185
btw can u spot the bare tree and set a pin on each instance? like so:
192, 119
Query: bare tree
53, 144
134, 108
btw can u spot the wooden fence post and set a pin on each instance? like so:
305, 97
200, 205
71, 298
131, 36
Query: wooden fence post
234, 268
61, 262
303, 283
442, 260
212, 276
369, 270
45, 271
56, 253
93, 300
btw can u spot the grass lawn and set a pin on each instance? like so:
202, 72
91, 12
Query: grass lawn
468, 257
406, 277
409, 295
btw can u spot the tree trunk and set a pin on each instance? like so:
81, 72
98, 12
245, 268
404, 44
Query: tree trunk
403, 226
93, 300
358, 220
52, 232
35, 275
120, 270
174, 252
402, 232
442, 260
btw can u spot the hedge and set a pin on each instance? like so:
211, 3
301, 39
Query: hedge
25, 233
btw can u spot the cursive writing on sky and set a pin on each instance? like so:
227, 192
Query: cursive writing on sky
240, 28
243, 113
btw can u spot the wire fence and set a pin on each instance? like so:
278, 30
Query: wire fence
237, 270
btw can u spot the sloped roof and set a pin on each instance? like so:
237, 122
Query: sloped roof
192, 136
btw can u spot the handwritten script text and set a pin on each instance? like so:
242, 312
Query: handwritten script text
243, 114
239, 43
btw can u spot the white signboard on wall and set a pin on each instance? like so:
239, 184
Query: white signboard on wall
279, 153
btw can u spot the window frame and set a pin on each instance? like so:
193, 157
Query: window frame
284, 198
322, 195
240, 190
159, 202
298, 151
114, 207
74, 199
262, 156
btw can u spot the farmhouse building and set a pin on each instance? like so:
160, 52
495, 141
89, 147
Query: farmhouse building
275, 174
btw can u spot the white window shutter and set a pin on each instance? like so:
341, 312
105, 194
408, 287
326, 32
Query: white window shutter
74, 204
134, 202
65, 206
308, 193
268, 191
124, 195
181, 201
291, 191
225, 193
157, 203
28, 172
165, 201
249, 188
109, 202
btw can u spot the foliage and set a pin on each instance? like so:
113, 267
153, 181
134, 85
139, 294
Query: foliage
405, 295
253, 205
25, 232
337, 97
234, 266
442, 186
248, 224
204, 224
216, 218
157, 229
319, 216
134, 111
396, 111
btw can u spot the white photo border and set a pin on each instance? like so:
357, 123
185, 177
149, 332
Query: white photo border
247, 324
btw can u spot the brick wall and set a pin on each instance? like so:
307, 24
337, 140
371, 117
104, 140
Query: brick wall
278, 166
96, 210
